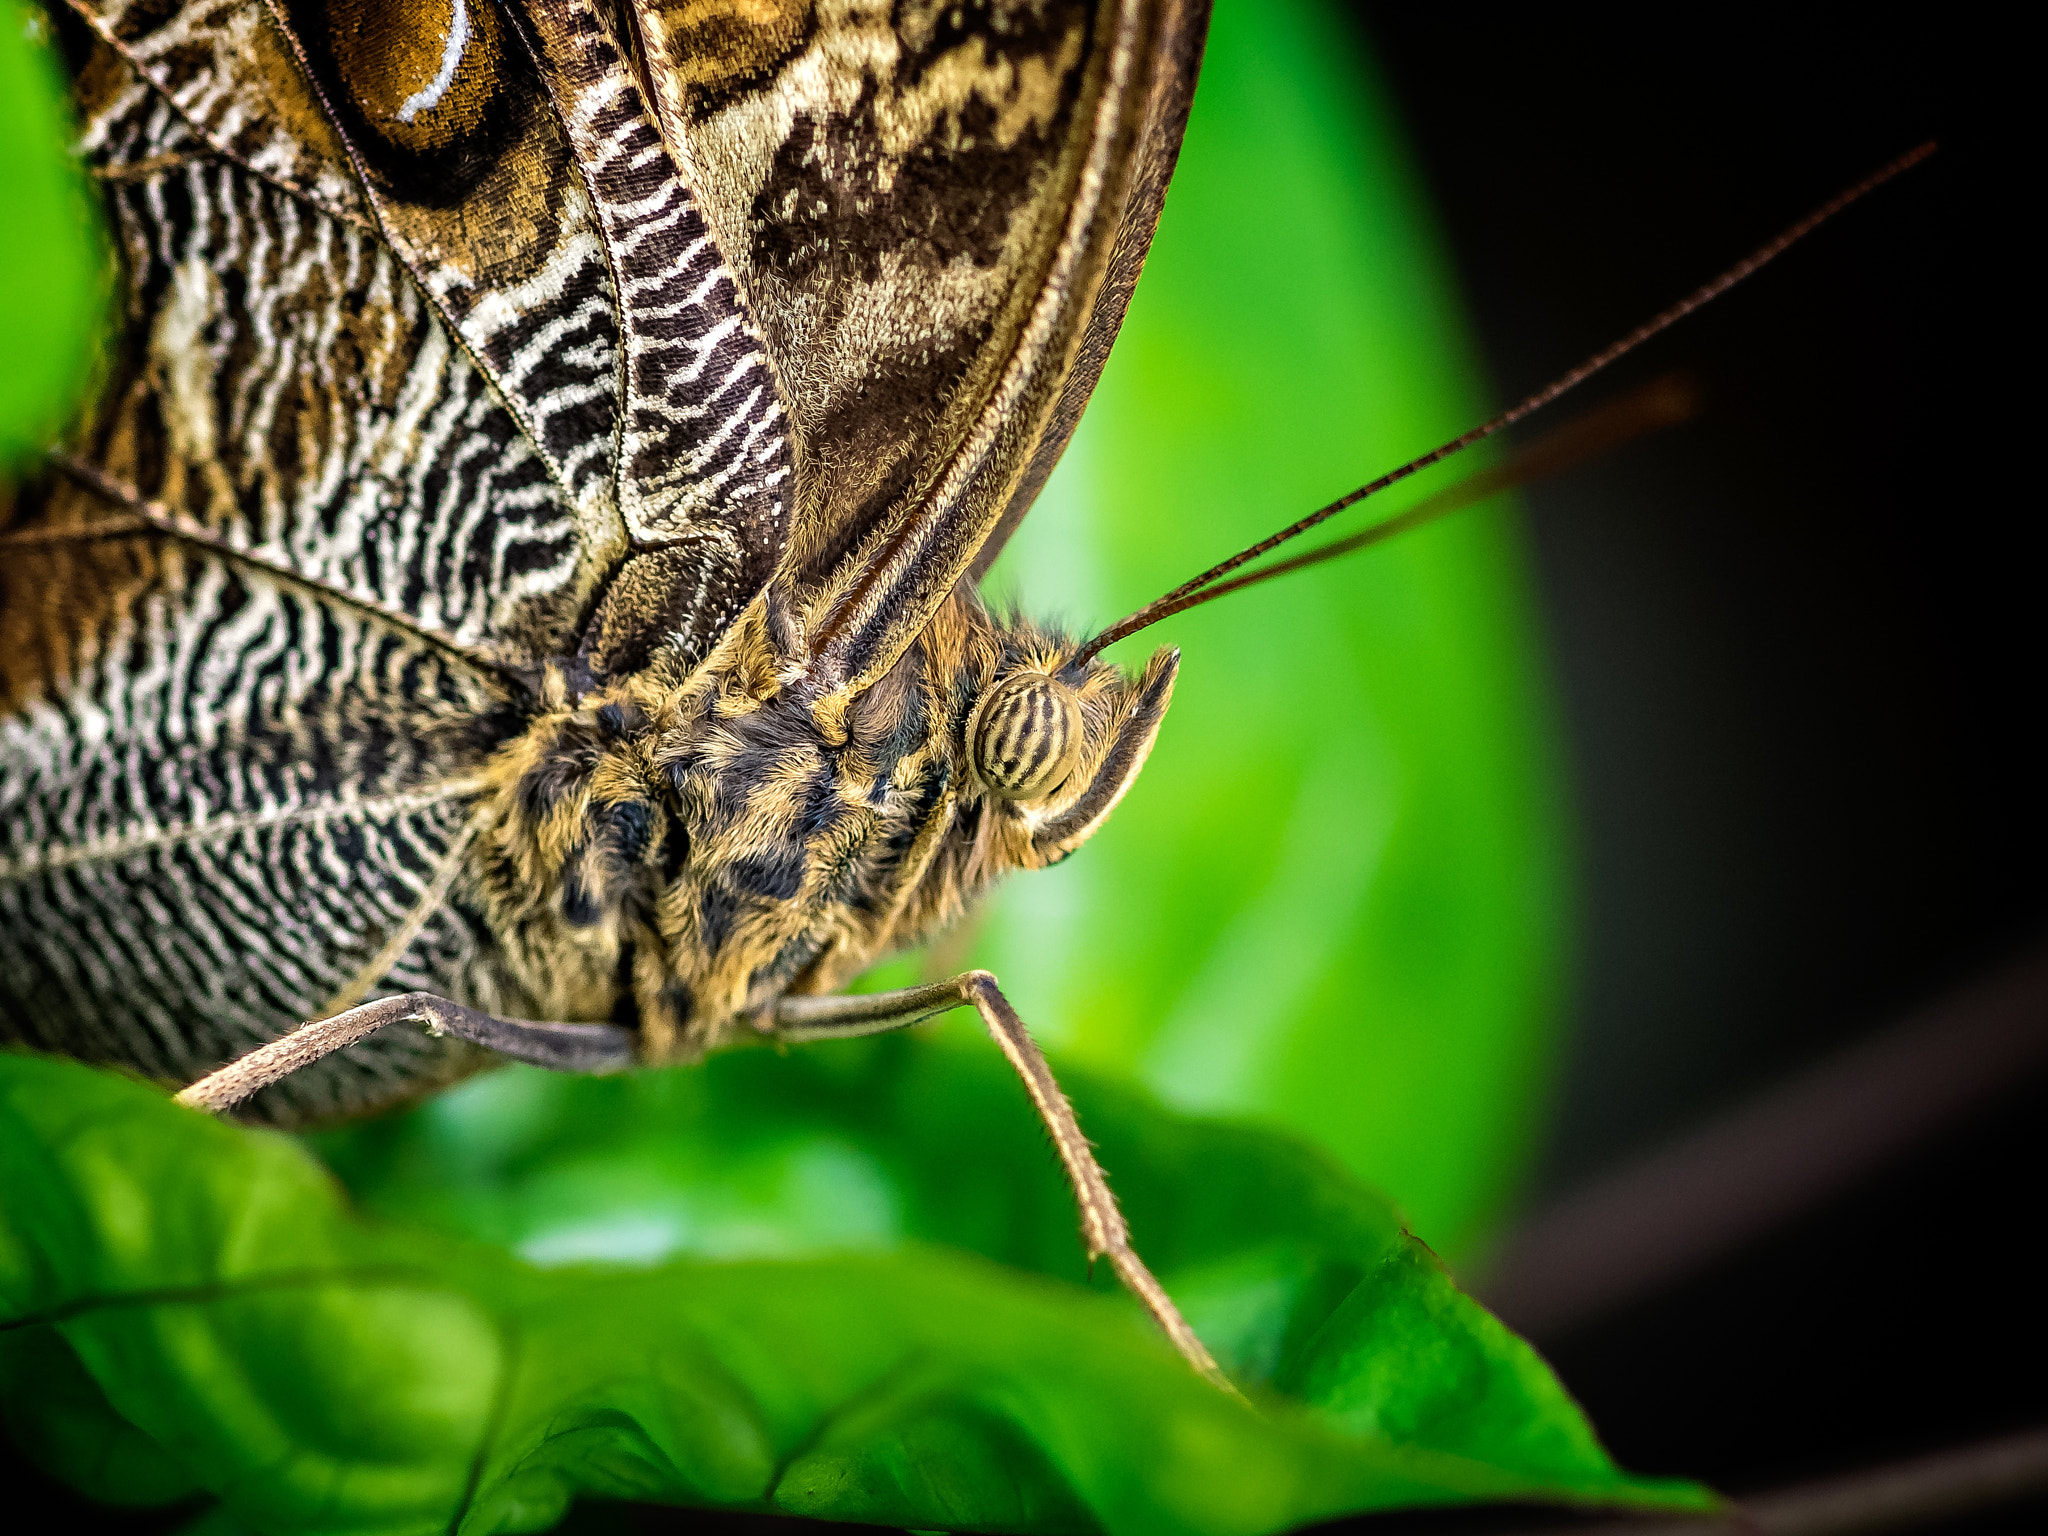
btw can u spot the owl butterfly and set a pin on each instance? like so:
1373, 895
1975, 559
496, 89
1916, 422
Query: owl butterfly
519, 574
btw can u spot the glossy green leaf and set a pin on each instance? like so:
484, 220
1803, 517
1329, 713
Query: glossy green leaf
50, 286
927, 1354
1336, 900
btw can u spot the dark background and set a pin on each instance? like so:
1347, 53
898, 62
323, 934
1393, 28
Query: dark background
1799, 639
1799, 644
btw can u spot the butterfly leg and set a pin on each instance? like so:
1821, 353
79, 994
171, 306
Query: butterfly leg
1102, 1224
564, 1047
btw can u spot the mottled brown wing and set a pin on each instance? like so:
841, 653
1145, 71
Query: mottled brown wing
938, 211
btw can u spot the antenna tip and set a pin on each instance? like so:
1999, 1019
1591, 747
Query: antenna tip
1912, 157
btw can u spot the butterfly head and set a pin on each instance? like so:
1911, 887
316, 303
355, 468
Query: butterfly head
1050, 745
700, 844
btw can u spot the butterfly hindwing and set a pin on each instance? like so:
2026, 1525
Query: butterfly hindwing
424, 437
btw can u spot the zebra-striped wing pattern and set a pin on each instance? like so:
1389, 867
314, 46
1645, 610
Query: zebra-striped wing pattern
508, 162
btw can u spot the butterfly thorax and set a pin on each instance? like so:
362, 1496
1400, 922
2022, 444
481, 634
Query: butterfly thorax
679, 849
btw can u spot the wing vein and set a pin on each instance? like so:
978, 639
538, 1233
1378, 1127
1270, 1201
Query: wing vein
528, 428
154, 517
126, 844
159, 164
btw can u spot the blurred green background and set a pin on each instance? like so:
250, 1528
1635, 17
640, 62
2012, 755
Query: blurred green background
1338, 899
50, 271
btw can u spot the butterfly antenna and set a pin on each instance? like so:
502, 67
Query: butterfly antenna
1192, 592
1664, 402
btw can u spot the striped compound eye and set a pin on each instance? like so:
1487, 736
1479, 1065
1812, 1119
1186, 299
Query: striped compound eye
1025, 736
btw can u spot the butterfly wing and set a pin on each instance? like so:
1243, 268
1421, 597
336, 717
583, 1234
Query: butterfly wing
939, 211
445, 325
507, 164
424, 348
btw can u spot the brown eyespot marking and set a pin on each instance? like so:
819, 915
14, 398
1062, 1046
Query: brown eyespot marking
1025, 736
421, 73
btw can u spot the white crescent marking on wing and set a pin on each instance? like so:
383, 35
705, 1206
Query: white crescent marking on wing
428, 96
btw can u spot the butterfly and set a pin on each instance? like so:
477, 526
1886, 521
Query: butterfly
518, 578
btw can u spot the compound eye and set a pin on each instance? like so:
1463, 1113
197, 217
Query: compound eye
1025, 737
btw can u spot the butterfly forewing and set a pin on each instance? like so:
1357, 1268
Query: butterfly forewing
938, 210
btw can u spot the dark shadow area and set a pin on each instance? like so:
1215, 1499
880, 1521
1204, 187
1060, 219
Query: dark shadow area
1799, 643
1899, 1319
1798, 640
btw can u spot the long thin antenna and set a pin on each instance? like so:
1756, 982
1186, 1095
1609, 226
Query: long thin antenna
1173, 602
1663, 402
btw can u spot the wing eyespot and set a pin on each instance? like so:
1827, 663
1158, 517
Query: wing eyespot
421, 74
430, 92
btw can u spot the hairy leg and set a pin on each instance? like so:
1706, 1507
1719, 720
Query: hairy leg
564, 1047
1102, 1224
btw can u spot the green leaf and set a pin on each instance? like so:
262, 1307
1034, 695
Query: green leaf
1337, 899
57, 1413
51, 298
934, 1357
